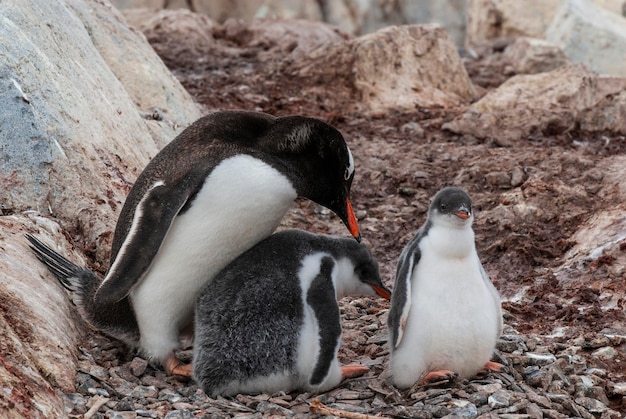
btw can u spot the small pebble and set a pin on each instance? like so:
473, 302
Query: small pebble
607, 352
180, 414
145, 392
500, 398
98, 392
540, 359
111, 414
138, 366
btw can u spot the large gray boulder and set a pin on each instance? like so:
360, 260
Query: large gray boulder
73, 124
591, 35
84, 104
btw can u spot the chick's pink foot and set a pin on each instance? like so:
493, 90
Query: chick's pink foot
353, 371
438, 375
174, 366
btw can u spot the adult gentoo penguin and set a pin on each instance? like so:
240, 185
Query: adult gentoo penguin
445, 313
217, 189
270, 321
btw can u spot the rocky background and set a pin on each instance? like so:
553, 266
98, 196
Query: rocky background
521, 103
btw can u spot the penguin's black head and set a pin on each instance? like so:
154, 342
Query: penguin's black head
454, 204
319, 163
365, 271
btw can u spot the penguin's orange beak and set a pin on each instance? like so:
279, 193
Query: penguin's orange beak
353, 224
463, 214
382, 291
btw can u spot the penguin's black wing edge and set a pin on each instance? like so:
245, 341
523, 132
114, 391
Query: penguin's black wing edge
401, 296
321, 298
152, 220
495, 295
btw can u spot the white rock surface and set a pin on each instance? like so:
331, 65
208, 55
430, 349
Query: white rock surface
292, 38
405, 66
194, 29
73, 124
77, 91
39, 329
591, 35
488, 20
605, 230
609, 114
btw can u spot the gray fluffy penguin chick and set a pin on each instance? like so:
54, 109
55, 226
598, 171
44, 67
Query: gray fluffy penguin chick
270, 320
445, 314
216, 190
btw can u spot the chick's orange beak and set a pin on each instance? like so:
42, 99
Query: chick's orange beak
353, 224
462, 214
382, 291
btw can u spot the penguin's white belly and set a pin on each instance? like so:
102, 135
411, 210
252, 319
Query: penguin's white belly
308, 353
241, 202
453, 320
309, 347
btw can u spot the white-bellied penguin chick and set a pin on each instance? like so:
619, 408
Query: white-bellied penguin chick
445, 314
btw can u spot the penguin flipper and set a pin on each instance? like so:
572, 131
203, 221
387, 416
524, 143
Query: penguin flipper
321, 298
153, 217
401, 297
495, 295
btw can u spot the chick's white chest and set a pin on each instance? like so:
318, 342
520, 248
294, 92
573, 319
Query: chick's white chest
453, 318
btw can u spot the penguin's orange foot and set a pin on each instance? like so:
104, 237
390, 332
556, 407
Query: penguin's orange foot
353, 371
439, 375
493, 366
174, 366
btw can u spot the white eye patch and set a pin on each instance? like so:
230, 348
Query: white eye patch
350, 169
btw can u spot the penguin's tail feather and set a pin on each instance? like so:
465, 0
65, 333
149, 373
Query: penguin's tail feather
117, 320
65, 271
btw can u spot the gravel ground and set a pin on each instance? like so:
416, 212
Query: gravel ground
564, 342
544, 378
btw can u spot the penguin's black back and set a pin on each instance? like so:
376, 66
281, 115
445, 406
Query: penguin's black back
307, 150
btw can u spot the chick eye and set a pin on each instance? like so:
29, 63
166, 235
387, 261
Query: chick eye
442, 207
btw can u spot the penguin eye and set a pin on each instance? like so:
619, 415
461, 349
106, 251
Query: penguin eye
443, 207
